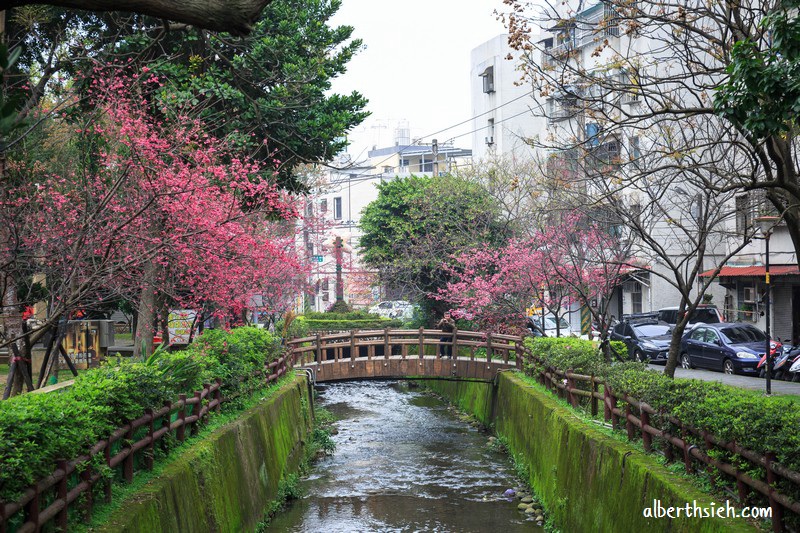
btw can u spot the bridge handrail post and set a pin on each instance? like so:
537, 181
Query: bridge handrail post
421, 343
454, 346
319, 349
489, 347
352, 346
386, 349
594, 396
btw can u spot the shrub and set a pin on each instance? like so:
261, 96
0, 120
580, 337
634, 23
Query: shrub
568, 353
38, 429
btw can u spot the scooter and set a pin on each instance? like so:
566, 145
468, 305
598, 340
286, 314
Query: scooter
794, 370
784, 361
776, 351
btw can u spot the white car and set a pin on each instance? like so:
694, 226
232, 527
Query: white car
550, 329
393, 309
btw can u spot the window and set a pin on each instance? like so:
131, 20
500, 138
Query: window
592, 133
636, 151
323, 205
699, 334
490, 131
337, 208
309, 209
488, 80
610, 21
636, 298
712, 337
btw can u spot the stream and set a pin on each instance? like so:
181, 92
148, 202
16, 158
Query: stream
404, 461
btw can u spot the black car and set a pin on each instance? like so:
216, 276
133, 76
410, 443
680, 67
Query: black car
646, 340
733, 347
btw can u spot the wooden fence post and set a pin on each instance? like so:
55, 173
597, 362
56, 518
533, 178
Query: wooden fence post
489, 347
319, 349
149, 450
107, 457
218, 393
421, 343
647, 438
196, 411
386, 348
88, 502
612, 408
352, 346
127, 463
628, 422
570, 387
61, 519
772, 479
32, 508
181, 433
454, 347
687, 457
593, 402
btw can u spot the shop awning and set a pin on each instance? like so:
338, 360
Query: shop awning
753, 271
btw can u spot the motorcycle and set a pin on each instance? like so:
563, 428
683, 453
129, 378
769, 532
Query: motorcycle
775, 349
781, 366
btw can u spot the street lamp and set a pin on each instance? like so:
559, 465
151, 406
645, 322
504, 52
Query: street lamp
767, 225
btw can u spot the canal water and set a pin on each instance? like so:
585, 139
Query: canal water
403, 462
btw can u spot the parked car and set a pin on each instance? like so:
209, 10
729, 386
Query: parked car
733, 347
705, 313
393, 309
647, 340
550, 330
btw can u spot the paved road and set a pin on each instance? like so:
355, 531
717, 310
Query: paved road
745, 382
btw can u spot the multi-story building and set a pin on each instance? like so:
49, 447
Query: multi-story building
606, 83
334, 210
502, 123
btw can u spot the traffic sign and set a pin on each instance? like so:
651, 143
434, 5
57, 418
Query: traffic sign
317, 258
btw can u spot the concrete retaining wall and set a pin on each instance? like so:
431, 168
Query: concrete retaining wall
587, 480
225, 482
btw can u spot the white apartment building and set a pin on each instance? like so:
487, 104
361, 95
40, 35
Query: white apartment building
502, 123
595, 65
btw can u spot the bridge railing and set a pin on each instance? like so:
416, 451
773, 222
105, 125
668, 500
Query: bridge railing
405, 343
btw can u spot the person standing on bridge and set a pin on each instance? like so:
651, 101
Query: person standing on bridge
447, 325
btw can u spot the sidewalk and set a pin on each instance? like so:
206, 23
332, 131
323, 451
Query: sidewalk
744, 382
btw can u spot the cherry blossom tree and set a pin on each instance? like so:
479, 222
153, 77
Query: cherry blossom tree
574, 261
158, 212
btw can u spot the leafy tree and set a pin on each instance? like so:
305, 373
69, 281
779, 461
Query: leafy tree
418, 224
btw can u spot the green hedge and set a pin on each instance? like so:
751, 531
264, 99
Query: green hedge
759, 423
38, 429
342, 324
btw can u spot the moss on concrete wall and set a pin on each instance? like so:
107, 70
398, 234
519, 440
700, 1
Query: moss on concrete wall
225, 482
587, 480
474, 397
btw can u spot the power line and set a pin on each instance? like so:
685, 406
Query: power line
363, 176
419, 139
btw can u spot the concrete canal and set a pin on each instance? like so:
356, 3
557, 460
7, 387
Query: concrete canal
404, 461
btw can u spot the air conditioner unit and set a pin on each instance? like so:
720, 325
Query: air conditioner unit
749, 294
490, 140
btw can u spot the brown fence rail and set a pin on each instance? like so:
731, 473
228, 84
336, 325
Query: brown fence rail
51, 498
693, 446
369, 344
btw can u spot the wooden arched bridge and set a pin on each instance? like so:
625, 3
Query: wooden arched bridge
403, 353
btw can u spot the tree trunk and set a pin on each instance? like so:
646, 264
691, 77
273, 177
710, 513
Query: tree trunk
233, 16
143, 340
12, 321
675, 346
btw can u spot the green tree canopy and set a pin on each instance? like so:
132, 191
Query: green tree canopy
418, 224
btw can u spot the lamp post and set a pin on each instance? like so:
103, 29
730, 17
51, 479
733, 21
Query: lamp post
767, 224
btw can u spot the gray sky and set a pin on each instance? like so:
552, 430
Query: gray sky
416, 65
